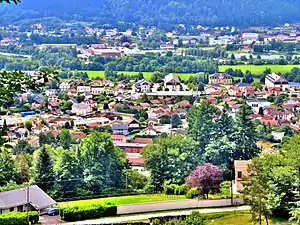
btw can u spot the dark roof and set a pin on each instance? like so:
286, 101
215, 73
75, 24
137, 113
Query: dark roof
37, 198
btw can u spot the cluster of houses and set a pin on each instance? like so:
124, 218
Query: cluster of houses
159, 102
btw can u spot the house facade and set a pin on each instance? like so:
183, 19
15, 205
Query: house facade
172, 82
220, 78
17, 200
81, 109
64, 86
256, 104
240, 174
273, 80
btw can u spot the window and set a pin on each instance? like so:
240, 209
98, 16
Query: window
240, 174
20, 208
12, 209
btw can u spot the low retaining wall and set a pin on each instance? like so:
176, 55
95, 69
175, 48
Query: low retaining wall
175, 205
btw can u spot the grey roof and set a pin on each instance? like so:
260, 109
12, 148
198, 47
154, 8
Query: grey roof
257, 100
243, 85
37, 198
120, 126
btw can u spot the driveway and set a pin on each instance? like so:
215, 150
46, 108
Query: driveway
50, 220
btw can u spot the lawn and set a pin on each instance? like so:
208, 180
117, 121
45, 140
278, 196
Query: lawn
236, 218
147, 75
260, 69
123, 200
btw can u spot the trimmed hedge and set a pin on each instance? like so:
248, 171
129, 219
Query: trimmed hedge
76, 213
18, 218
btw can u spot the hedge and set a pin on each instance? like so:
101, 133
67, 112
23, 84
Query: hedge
76, 213
18, 218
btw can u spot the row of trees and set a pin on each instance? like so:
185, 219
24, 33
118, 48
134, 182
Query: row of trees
92, 167
214, 137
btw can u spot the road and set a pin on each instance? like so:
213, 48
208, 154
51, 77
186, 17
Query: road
175, 205
149, 215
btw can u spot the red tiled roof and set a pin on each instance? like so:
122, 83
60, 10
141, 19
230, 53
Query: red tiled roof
137, 161
143, 140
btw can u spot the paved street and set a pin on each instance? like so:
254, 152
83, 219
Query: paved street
149, 215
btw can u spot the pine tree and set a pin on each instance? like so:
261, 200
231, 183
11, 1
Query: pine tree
44, 175
23, 169
246, 136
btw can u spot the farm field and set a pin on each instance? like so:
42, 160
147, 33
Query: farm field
123, 200
260, 69
147, 75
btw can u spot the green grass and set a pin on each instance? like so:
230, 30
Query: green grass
260, 69
122, 200
236, 218
147, 75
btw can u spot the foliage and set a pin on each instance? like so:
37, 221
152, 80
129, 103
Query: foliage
65, 138
7, 168
175, 120
19, 218
101, 162
136, 180
14, 82
88, 212
164, 14
273, 186
170, 159
44, 175
46, 139
192, 193
207, 178
23, 147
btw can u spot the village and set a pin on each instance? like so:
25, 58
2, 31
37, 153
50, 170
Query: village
136, 112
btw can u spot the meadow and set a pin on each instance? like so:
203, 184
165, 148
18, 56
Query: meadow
147, 75
260, 69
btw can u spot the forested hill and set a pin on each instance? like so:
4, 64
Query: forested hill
159, 12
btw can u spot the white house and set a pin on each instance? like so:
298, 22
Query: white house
64, 86
274, 80
81, 109
142, 86
257, 103
82, 89
172, 82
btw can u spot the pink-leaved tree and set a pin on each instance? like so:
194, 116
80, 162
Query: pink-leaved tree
206, 178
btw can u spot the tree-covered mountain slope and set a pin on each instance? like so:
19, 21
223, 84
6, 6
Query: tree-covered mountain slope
159, 12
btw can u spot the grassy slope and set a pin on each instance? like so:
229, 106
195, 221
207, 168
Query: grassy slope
259, 69
123, 200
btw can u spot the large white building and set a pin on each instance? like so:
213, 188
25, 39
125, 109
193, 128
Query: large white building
274, 80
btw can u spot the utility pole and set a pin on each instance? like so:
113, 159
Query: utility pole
126, 180
27, 208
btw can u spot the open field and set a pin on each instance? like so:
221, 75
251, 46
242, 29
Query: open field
260, 69
147, 75
123, 200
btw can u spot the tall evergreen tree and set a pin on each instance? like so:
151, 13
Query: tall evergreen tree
44, 174
246, 136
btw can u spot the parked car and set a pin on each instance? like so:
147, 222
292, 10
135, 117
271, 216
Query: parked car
53, 212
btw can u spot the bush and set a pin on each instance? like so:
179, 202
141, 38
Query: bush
19, 218
192, 193
180, 189
169, 189
88, 212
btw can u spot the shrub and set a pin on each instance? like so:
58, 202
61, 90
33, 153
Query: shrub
169, 189
19, 218
192, 193
88, 212
180, 189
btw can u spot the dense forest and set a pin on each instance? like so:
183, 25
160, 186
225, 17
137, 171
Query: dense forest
162, 13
